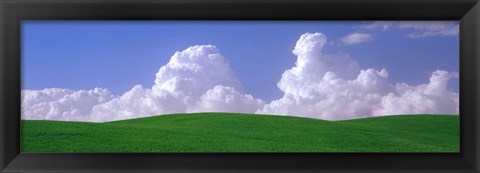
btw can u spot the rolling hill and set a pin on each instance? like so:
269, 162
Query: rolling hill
232, 132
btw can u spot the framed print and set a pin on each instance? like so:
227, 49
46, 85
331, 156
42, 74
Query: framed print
244, 86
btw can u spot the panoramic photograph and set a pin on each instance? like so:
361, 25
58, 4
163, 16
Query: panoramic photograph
240, 86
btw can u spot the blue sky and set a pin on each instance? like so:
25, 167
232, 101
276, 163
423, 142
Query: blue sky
119, 55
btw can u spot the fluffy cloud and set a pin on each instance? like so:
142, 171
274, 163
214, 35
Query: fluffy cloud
226, 99
190, 73
418, 29
62, 104
321, 86
355, 38
197, 79
433, 97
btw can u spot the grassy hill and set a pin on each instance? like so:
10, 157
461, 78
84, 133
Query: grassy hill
229, 132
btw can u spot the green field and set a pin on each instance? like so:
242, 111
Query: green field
229, 132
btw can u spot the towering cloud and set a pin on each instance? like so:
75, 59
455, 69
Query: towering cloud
332, 86
190, 73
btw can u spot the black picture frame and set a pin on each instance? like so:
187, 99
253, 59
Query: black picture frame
13, 11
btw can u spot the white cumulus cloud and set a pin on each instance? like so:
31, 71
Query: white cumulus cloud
196, 79
226, 99
355, 38
200, 79
433, 97
321, 86
62, 104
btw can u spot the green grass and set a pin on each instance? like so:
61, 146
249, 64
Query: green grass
228, 132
